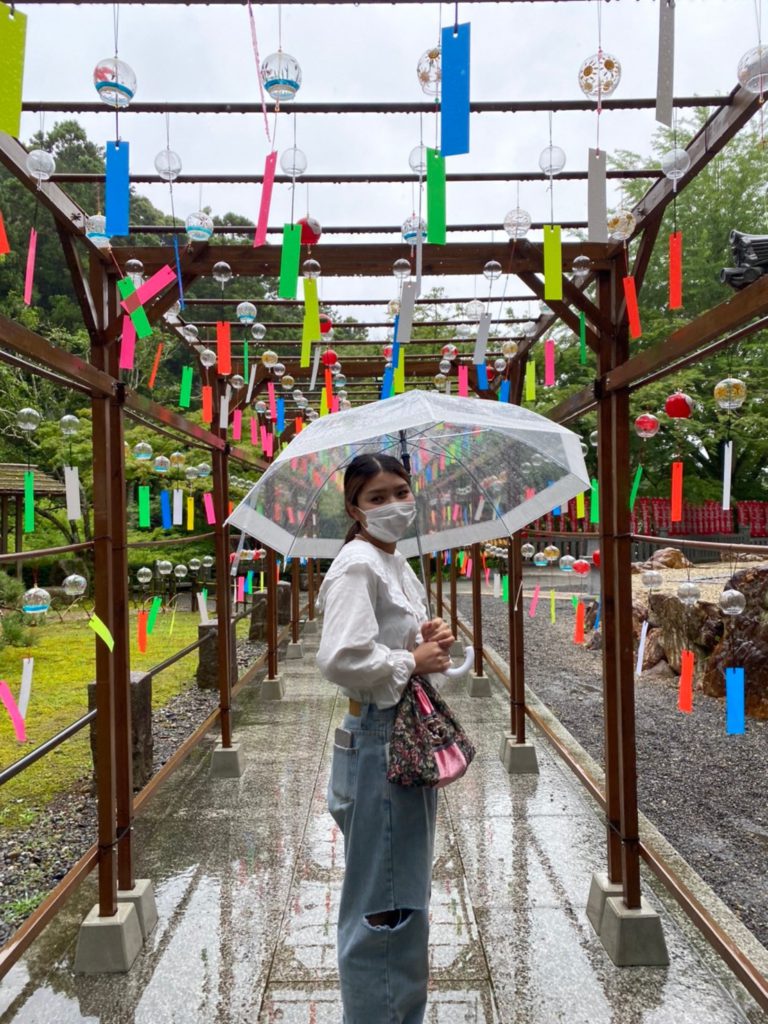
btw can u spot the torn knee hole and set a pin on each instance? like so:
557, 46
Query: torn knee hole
388, 919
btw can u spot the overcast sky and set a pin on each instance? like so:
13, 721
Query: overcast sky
519, 51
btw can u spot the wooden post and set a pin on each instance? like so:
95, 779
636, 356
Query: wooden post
477, 609
19, 531
439, 584
454, 608
516, 649
295, 570
310, 589
3, 524
271, 569
223, 594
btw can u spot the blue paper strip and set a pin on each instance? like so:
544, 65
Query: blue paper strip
395, 327
118, 189
597, 615
165, 509
454, 120
387, 382
734, 701
280, 415
504, 391
248, 586
448, 558
482, 376
178, 271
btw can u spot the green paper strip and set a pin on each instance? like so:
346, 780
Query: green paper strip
574, 600
185, 395
157, 604
289, 261
594, 503
13, 32
245, 360
635, 487
144, 520
311, 329
530, 381
505, 589
126, 287
553, 263
435, 198
29, 501
100, 629
204, 593
582, 339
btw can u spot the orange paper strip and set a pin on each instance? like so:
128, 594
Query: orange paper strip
207, 403
685, 692
633, 313
676, 502
676, 270
141, 627
223, 349
155, 365
578, 628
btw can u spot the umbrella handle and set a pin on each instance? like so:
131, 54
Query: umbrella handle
461, 670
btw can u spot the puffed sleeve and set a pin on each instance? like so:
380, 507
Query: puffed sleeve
349, 654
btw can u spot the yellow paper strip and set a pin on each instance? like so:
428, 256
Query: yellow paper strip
552, 605
400, 372
553, 263
100, 629
324, 402
13, 30
190, 513
580, 506
530, 381
311, 328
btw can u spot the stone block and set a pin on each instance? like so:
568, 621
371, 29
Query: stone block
599, 891
226, 762
294, 652
273, 689
108, 945
207, 675
141, 726
142, 896
457, 649
633, 938
310, 627
520, 758
478, 686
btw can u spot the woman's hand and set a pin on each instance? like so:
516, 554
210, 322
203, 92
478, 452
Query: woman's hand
431, 657
438, 632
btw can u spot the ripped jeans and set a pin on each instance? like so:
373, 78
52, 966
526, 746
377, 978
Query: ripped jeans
389, 833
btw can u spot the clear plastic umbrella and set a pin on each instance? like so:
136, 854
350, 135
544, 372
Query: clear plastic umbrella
479, 470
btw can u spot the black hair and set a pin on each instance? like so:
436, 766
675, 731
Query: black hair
357, 474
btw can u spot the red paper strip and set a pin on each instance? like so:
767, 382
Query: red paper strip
207, 403
237, 424
141, 631
266, 198
230, 507
30, 274
223, 349
165, 276
210, 513
676, 270
298, 424
272, 401
463, 373
127, 344
685, 691
549, 363
578, 626
254, 431
633, 313
4, 246
155, 365
676, 499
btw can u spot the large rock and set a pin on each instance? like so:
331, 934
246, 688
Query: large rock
654, 651
141, 727
679, 627
667, 558
744, 643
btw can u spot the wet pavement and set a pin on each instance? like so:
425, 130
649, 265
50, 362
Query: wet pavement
247, 875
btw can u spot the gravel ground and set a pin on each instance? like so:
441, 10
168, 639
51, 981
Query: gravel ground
33, 860
704, 790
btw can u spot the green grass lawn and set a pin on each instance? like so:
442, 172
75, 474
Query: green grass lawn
64, 665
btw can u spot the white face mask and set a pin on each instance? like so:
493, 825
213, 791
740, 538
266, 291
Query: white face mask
389, 523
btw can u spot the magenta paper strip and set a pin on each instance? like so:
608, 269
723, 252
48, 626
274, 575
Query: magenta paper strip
463, 381
272, 401
266, 199
127, 344
549, 363
534, 600
29, 277
164, 276
241, 589
264, 439
254, 432
210, 513
13, 712
237, 424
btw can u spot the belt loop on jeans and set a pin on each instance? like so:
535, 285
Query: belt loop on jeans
355, 708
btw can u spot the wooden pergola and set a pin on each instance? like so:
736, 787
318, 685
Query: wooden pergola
619, 372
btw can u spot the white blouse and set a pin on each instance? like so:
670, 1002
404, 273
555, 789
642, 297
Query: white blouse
373, 607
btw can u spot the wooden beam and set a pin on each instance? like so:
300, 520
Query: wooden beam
79, 283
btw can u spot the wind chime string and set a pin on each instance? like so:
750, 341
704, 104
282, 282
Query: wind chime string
255, 45
551, 178
599, 71
293, 175
116, 31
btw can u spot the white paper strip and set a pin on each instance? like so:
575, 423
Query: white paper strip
641, 648
407, 306
26, 686
178, 507
727, 472
665, 73
224, 409
236, 560
72, 491
201, 604
479, 509
315, 367
251, 382
481, 341
496, 585
597, 206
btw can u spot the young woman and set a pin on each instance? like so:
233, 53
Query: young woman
375, 636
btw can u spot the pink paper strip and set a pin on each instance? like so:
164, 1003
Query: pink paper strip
272, 401
266, 198
442, 463
237, 424
30, 274
268, 445
254, 431
335, 404
534, 600
291, 516
468, 568
549, 363
10, 705
487, 576
463, 381
241, 588
264, 439
164, 276
530, 492
127, 344
456, 512
210, 513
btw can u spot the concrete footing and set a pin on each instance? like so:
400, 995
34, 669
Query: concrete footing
478, 686
633, 938
108, 945
310, 627
142, 896
518, 758
226, 762
599, 891
295, 651
457, 649
273, 689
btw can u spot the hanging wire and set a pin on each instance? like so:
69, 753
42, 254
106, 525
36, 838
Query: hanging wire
599, 71
293, 175
551, 177
280, 28
116, 30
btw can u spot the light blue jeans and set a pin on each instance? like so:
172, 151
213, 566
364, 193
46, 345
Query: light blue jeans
389, 834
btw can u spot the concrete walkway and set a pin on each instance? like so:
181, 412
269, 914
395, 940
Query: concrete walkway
247, 875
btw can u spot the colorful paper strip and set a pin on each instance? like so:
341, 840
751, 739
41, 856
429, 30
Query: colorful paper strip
635, 487
207, 395
504, 391
311, 327
133, 307
72, 492
29, 501
190, 514
463, 377
633, 311
530, 380
582, 338
436, 227
127, 344
290, 255
641, 648
553, 263
101, 630
166, 517
268, 181
594, 502
210, 513
29, 275
144, 517
17, 721
13, 30
5, 247
141, 631
727, 473
185, 393
549, 363
578, 626
734, 701
454, 98
223, 348
117, 189
685, 683
237, 424
157, 604
155, 365
676, 270
676, 493
534, 600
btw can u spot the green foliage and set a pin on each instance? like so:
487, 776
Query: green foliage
16, 631
11, 590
